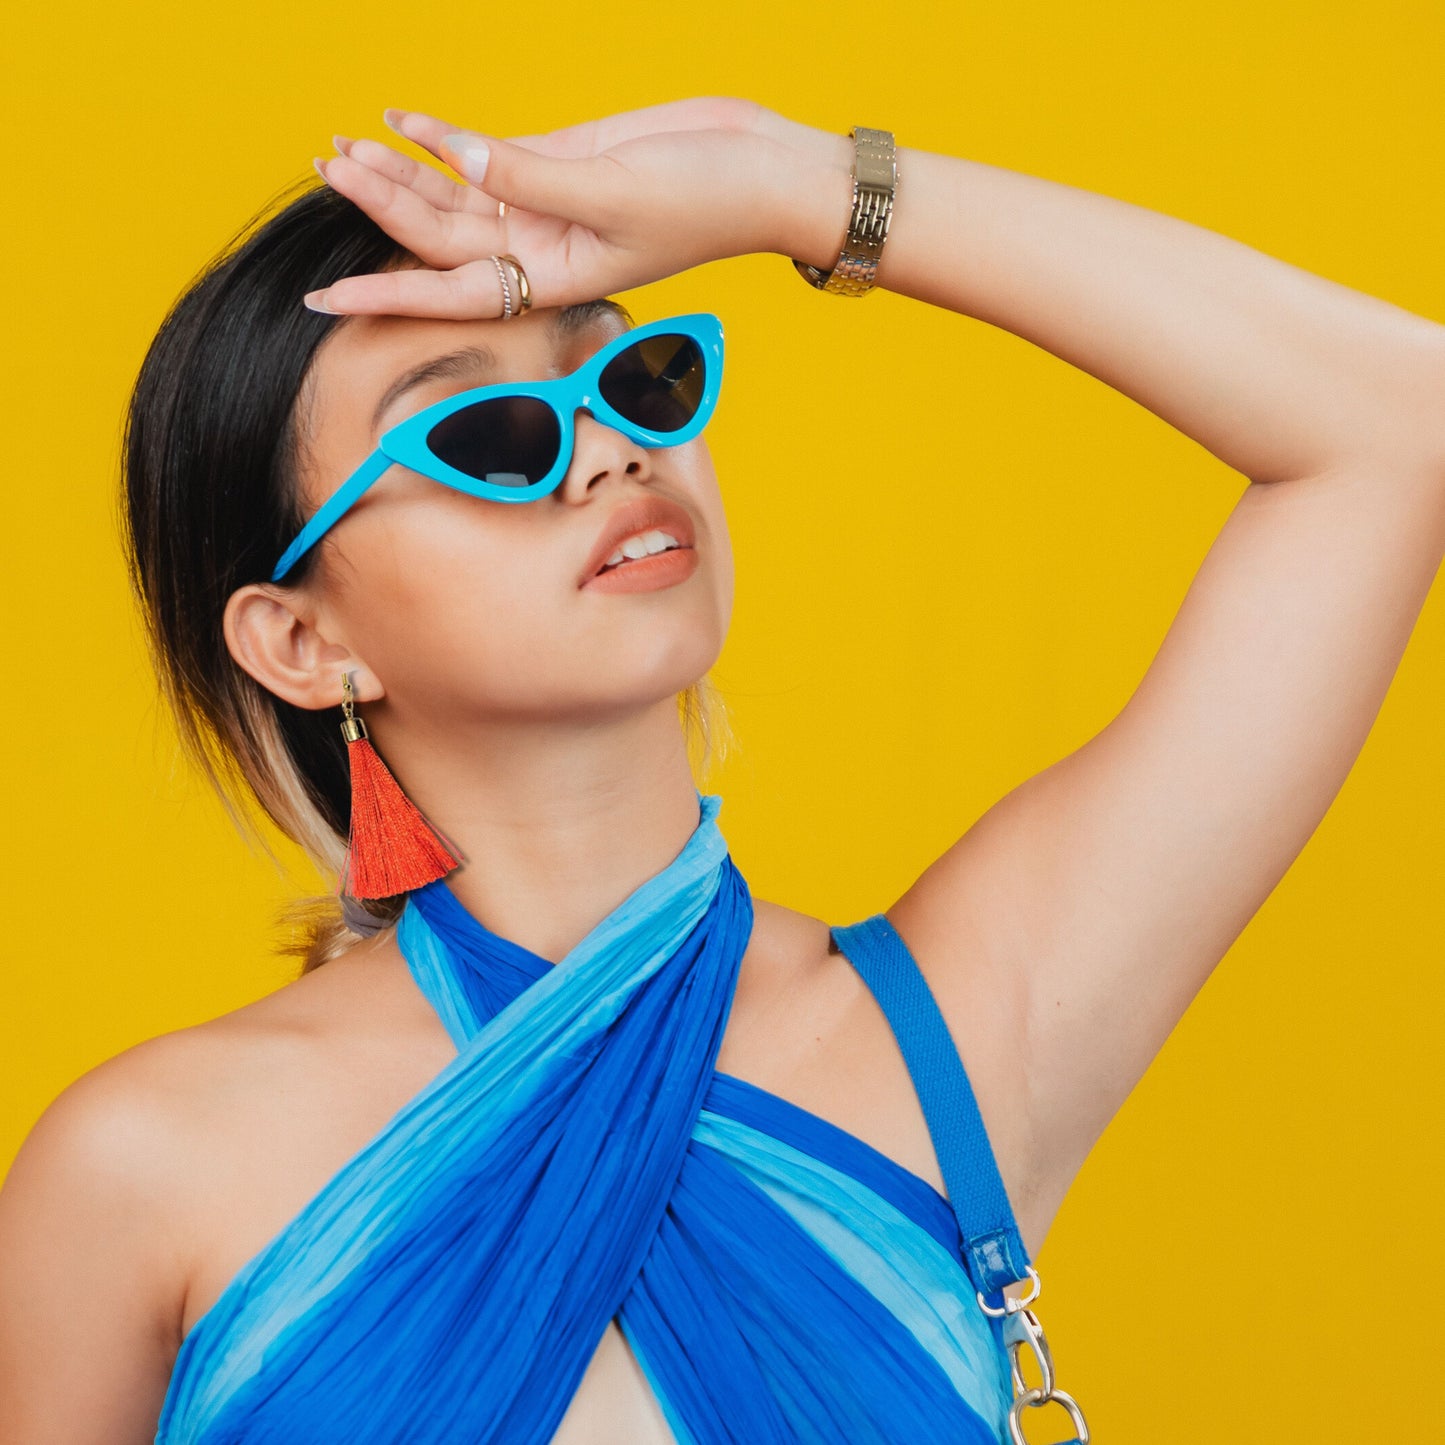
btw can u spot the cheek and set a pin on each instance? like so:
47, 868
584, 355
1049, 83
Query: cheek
454, 642
438, 604
707, 498
723, 564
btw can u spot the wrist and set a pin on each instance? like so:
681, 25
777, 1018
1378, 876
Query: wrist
816, 199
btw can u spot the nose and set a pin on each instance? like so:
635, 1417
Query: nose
600, 451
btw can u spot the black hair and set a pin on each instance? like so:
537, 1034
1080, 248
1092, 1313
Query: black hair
210, 501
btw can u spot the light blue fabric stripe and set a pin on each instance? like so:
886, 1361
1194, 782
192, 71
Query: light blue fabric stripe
895, 1260
427, 959
770, 1114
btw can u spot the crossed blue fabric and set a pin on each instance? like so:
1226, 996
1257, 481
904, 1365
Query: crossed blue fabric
582, 1160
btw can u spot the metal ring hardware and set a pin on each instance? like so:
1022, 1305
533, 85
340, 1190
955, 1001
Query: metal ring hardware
1035, 1400
1009, 1304
1021, 1329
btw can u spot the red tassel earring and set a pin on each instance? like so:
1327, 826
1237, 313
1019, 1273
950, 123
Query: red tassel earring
391, 848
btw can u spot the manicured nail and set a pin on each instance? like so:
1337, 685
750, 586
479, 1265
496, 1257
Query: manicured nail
342, 143
393, 118
315, 302
472, 154
320, 167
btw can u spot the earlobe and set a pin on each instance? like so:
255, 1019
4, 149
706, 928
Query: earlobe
272, 636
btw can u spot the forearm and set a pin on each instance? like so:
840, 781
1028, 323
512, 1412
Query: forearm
1276, 371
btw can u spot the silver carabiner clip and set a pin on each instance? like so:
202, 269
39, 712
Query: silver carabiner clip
1021, 1327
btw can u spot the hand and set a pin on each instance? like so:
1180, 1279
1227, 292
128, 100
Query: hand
594, 208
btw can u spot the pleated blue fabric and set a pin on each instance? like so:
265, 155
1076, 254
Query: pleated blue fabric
582, 1160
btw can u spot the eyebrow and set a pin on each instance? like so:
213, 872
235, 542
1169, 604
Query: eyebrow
466, 361
477, 361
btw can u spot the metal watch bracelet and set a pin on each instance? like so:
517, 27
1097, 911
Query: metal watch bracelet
875, 180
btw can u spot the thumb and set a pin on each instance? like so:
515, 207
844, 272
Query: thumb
573, 189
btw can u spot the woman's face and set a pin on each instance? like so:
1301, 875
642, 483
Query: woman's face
463, 607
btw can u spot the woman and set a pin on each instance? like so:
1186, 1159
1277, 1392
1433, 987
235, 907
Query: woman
577, 1140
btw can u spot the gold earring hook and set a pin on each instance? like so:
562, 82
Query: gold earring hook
352, 727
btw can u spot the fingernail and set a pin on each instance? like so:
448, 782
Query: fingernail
320, 167
342, 143
313, 300
393, 118
472, 155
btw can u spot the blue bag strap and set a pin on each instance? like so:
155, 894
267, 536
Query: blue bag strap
992, 1245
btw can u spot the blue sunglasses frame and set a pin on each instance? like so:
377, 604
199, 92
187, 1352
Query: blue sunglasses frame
406, 443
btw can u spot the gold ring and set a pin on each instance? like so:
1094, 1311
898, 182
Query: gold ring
502, 209
524, 289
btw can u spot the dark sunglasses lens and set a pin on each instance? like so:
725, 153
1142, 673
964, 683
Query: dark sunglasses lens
510, 441
657, 382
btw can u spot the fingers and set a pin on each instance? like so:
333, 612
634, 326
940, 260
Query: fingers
586, 191
434, 188
424, 130
440, 237
594, 136
556, 174
429, 132
472, 291
700, 113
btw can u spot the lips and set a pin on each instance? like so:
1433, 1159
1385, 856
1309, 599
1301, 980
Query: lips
643, 515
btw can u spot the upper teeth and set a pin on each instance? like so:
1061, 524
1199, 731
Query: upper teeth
644, 544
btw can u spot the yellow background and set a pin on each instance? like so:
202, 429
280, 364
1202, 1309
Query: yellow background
956, 557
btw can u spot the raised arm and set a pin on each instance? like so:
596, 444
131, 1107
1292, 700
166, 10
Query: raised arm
1096, 897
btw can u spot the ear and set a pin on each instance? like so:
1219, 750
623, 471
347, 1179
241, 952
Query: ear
271, 632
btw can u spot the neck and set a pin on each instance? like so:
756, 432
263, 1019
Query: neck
558, 823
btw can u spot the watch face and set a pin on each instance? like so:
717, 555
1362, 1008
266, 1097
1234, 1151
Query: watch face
876, 162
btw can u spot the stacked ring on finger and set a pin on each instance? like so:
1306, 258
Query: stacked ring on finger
524, 289
506, 288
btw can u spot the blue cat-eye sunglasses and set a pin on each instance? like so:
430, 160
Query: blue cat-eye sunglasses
657, 384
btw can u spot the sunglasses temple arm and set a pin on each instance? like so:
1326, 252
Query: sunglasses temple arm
331, 511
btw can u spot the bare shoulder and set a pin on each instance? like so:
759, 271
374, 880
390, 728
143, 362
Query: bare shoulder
125, 1138
108, 1205
134, 1122
94, 1237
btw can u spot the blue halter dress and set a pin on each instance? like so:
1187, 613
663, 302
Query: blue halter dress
581, 1160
